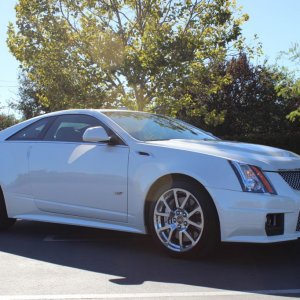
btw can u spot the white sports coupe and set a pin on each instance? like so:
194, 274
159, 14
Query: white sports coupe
147, 173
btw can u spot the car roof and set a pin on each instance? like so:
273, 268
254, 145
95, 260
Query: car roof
15, 128
84, 110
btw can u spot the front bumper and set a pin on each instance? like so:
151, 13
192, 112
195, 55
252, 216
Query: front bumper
243, 215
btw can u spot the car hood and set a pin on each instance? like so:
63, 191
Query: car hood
265, 157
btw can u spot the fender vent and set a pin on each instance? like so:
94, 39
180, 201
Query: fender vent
143, 153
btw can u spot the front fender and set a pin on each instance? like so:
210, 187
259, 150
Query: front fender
146, 168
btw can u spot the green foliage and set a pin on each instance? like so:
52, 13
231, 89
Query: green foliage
28, 103
246, 103
141, 54
6, 121
290, 86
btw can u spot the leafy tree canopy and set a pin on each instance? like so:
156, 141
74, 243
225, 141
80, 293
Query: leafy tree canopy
6, 121
248, 103
28, 103
134, 53
290, 85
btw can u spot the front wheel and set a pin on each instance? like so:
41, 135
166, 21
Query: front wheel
183, 220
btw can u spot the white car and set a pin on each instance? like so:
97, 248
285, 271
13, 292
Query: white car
146, 173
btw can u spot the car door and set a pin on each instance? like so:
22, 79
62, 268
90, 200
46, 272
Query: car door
72, 177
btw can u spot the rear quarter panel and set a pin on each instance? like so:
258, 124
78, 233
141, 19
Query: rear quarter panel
14, 179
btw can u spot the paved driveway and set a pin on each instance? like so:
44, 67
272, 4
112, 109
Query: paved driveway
48, 261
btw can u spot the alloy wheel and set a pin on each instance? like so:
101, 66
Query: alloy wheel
178, 220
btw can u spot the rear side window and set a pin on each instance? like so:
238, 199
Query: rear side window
70, 128
32, 132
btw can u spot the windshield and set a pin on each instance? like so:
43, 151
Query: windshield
150, 127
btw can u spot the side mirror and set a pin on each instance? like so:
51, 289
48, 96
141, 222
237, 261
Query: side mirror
96, 134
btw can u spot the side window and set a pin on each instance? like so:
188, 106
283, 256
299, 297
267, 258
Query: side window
33, 131
70, 128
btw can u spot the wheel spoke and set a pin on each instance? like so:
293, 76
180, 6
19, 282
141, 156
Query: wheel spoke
185, 200
180, 239
160, 214
176, 198
195, 224
170, 234
194, 211
164, 228
166, 204
189, 237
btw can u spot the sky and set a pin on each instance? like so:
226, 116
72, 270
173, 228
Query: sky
276, 22
8, 64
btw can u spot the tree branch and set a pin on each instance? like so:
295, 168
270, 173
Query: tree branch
167, 13
192, 10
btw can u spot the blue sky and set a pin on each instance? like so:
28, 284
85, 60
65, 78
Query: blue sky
276, 22
8, 65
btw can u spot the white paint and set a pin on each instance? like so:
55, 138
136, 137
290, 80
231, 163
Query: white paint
76, 183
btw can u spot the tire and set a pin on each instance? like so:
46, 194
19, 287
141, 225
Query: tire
186, 226
5, 222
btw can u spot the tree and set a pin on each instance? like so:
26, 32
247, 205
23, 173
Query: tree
28, 103
248, 103
290, 87
6, 121
135, 53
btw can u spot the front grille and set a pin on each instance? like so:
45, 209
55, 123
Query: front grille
292, 178
298, 223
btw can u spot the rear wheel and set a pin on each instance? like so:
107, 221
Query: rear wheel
5, 222
183, 220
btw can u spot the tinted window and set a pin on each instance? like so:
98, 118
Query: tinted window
151, 127
33, 131
70, 128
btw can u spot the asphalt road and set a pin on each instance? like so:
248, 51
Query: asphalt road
49, 261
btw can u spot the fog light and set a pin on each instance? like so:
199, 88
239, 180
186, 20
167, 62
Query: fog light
274, 224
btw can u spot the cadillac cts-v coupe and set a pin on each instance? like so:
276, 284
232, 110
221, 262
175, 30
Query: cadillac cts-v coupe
146, 173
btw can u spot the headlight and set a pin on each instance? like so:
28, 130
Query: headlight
252, 178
